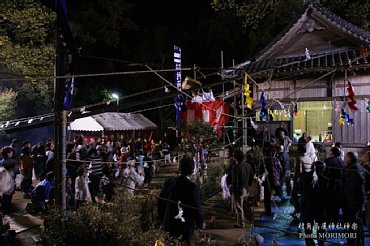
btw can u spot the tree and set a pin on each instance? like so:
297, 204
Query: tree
7, 106
355, 11
100, 24
197, 131
26, 49
265, 19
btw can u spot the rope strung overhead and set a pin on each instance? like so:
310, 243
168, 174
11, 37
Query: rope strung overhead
27, 78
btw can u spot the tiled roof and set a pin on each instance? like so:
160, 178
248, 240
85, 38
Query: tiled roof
266, 61
323, 61
355, 30
326, 14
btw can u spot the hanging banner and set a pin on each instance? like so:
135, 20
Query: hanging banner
247, 93
215, 113
69, 93
179, 98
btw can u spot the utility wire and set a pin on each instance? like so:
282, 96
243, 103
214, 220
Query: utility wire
94, 75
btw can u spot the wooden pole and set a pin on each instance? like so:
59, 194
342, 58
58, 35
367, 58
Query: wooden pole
60, 124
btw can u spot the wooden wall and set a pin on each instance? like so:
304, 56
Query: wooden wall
359, 134
281, 89
355, 136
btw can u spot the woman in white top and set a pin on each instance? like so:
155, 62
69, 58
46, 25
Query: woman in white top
131, 177
309, 156
82, 188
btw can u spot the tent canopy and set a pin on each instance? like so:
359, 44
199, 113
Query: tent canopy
86, 124
112, 121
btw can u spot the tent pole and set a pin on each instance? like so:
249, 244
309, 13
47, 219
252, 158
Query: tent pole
223, 90
235, 109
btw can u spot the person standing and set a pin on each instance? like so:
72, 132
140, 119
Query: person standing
366, 165
49, 165
40, 160
82, 192
302, 141
7, 178
27, 164
241, 180
122, 163
166, 153
281, 128
334, 171
340, 147
14, 146
95, 172
285, 143
314, 196
148, 169
106, 186
175, 218
272, 174
230, 166
309, 156
353, 197
265, 136
130, 178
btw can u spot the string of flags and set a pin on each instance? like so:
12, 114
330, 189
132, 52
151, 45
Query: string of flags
17, 122
247, 93
351, 97
347, 100
271, 113
345, 117
295, 108
264, 112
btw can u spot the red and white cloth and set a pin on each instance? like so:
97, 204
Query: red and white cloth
215, 113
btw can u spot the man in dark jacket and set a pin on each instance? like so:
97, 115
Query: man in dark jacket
294, 200
272, 174
334, 171
353, 197
314, 195
302, 144
230, 166
366, 165
241, 180
179, 204
285, 143
281, 128
265, 136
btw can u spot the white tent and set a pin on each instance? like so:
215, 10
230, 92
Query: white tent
112, 121
86, 124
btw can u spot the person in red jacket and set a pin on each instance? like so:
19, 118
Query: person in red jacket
123, 159
26, 163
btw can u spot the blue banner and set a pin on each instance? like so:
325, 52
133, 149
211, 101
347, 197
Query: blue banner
69, 93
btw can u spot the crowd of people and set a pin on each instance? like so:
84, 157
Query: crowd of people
332, 189
323, 189
94, 167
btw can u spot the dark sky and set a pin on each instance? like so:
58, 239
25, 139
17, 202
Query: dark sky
176, 14
191, 24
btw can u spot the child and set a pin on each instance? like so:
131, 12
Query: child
70, 193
